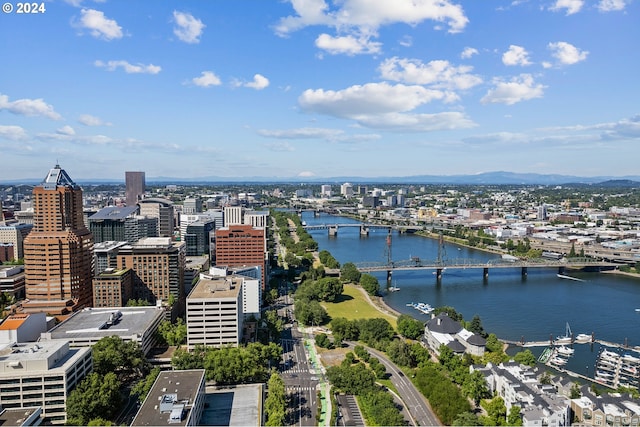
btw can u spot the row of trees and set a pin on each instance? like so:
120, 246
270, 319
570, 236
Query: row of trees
376, 332
358, 377
349, 273
231, 365
307, 308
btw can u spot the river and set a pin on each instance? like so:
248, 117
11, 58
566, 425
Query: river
534, 307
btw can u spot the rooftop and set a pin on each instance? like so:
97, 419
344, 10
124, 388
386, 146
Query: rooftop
57, 177
239, 405
93, 322
170, 390
216, 287
114, 213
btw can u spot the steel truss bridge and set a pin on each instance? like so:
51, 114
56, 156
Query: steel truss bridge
416, 263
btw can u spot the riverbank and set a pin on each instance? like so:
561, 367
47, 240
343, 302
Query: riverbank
622, 273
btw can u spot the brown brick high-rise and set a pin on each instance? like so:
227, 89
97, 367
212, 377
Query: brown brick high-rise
241, 246
58, 253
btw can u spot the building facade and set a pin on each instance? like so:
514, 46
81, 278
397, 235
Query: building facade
42, 374
113, 288
59, 250
158, 267
162, 210
14, 235
241, 246
214, 312
134, 187
108, 224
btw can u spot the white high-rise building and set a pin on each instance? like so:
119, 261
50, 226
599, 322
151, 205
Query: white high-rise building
232, 215
325, 190
346, 189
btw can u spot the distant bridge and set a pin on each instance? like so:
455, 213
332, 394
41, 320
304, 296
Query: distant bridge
364, 228
439, 266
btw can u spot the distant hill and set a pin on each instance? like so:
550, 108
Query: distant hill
486, 178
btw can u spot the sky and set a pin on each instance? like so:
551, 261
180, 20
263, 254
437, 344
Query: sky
319, 88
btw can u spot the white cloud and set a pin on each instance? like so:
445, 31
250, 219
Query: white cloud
66, 130
89, 120
303, 133
611, 5
516, 55
406, 41
439, 73
99, 25
306, 174
14, 133
372, 14
566, 53
128, 67
206, 79
520, 88
348, 45
259, 82
468, 52
28, 107
187, 28
571, 6
383, 106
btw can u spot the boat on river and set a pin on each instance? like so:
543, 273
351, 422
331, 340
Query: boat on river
566, 339
565, 350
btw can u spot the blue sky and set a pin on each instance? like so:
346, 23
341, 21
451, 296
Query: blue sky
320, 88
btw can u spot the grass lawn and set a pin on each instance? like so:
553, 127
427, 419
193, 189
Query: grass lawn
352, 304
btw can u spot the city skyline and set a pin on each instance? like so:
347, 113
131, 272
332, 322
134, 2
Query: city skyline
312, 88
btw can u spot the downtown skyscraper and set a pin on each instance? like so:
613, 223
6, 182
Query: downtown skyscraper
58, 253
134, 187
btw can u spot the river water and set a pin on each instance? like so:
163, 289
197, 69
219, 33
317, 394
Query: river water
534, 307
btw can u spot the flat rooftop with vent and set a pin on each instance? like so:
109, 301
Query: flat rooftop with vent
175, 399
87, 327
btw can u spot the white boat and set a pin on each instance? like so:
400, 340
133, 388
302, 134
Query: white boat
565, 350
603, 374
609, 355
566, 339
558, 361
637, 309
583, 337
630, 358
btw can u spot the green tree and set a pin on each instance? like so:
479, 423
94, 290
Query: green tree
142, 387
410, 327
496, 411
349, 273
525, 357
476, 326
96, 396
575, 391
328, 289
475, 387
466, 419
124, 358
514, 418
370, 284
173, 333
275, 404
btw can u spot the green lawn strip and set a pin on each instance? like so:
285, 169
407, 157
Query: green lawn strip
388, 384
352, 304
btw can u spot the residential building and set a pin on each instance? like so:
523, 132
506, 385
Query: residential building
13, 235
518, 385
605, 410
134, 187
241, 246
42, 374
12, 280
177, 398
113, 288
325, 190
158, 266
59, 250
214, 312
442, 330
161, 209
86, 327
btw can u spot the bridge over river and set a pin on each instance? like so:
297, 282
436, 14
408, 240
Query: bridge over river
439, 266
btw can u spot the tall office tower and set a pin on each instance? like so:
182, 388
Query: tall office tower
241, 246
58, 253
192, 205
325, 190
232, 215
14, 235
134, 187
161, 209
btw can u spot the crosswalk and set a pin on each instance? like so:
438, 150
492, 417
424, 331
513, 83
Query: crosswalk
296, 388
